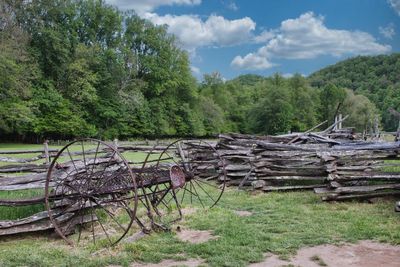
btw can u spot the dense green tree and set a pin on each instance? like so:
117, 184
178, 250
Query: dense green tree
83, 68
305, 102
332, 98
362, 112
372, 76
274, 113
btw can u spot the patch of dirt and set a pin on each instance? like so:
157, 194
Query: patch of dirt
243, 213
365, 253
195, 236
171, 263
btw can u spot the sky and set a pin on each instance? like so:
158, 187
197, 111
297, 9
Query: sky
264, 37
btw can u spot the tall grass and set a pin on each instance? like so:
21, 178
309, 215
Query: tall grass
13, 213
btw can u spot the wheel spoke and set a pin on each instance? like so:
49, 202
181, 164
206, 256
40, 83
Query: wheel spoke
205, 191
112, 217
198, 196
68, 190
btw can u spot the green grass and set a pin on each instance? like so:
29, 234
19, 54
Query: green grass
13, 213
130, 156
281, 223
394, 168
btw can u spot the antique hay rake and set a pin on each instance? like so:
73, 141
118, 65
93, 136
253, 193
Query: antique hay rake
93, 193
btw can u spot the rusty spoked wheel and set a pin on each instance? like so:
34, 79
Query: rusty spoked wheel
90, 193
200, 179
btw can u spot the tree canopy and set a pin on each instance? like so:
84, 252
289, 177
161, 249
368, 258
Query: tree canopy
83, 68
376, 77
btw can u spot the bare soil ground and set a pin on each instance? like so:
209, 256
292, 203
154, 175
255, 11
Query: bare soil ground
172, 263
365, 253
195, 236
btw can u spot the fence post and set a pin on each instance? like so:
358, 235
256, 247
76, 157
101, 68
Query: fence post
46, 152
376, 128
115, 143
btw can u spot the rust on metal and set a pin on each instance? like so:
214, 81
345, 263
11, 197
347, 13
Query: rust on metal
92, 192
177, 177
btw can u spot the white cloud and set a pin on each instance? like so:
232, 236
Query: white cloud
264, 36
141, 6
395, 4
307, 37
251, 62
287, 75
195, 70
193, 32
388, 31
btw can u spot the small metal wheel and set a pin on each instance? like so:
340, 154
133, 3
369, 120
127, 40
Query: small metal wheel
90, 193
187, 172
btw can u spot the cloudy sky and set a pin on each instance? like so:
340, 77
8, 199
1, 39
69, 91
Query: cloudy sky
266, 36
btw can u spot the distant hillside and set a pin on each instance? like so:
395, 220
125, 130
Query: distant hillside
377, 77
248, 79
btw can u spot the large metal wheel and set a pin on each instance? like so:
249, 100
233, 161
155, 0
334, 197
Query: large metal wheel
197, 175
91, 193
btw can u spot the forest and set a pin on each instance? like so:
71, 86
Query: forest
80, 68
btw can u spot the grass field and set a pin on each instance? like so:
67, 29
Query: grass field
279, 223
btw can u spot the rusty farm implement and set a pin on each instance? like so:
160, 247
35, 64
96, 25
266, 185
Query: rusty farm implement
93, 193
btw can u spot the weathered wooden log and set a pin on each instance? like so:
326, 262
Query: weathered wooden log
21, 160
261, 172
357, 189
394, 146
30, 151
23, 168
336, 197
291, 178
23, 179
291, 188
67, 219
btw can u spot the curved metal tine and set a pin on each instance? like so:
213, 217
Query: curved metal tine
68, 174
207, 183
86, 164
111, 215
177, 203
191, 195
84, 158
189, 190
72, 160
80, 226
168, 189
198, 196
205, 191
104, 230
95, 158
172, 196
92, 221
72, 218
183, 194
107, 165
173, 158
63, 199
104, 181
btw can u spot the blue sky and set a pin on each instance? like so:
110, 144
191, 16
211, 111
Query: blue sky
237, 37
